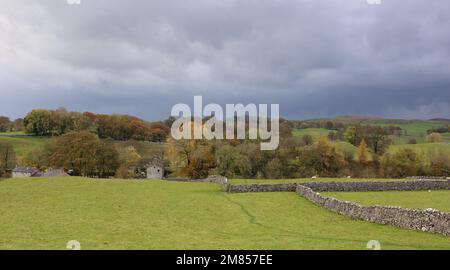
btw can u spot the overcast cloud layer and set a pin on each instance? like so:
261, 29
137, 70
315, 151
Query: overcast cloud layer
315, 58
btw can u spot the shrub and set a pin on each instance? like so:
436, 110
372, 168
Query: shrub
405, 162
412, 141
434, 137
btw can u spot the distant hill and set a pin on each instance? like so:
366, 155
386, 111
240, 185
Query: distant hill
441, 120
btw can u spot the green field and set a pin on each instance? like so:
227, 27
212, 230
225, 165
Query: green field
131, 214
436, 199
415, 129
22, 144
316, 133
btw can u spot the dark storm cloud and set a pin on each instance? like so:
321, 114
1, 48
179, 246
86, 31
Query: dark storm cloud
316, 58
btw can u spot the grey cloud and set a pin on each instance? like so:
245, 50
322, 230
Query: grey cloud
316, 58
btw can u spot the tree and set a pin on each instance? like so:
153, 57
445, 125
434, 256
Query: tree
439, 163
7, 158
434, 138
82, 153
106, 158
274, 169
129, 159
226, 158
412, 141
363, 154
321, 159
39, 122
285, 130
36, 157
307, 139
377, 139
405, 162
350, 135
159, 132
5, 124
200, 163
18, 125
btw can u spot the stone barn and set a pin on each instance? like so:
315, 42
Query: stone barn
54, 173
155, 169
20, 172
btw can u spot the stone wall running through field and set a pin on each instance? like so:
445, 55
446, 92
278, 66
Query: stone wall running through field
428, 221
410, 185
291, 187
222, 180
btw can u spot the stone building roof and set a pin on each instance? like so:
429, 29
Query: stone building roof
156, 162
54, 173
30, 170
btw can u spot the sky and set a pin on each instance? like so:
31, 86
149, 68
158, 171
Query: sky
316, 58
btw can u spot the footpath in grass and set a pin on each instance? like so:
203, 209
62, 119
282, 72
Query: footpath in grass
132, 214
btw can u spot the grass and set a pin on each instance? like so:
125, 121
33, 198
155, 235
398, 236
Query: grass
23, 144
437, 199
316, 133
131, 214
415, 129
13, 133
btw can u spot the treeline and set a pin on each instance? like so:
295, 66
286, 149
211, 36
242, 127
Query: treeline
338, 128
6, 125
78, 153
85, 154
376, 137
443, 129
118, 127
298, 158
326, 124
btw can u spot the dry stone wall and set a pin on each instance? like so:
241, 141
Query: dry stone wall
410, 185
222, 180
428, 220
260, 188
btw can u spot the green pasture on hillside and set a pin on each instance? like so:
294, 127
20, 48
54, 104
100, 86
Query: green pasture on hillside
148, 214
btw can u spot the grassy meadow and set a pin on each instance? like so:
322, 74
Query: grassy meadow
316, 133
22, 143
436, 199
132, 214
46, 213
415, 129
